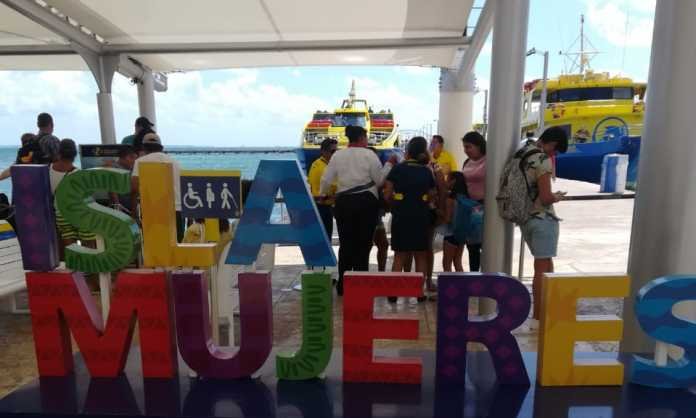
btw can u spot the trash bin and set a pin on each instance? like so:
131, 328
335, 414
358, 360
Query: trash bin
614, 171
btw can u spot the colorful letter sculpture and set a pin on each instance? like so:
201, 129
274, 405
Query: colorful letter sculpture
305, 228
360, 328
120, 232
61, 303
35, 217
159, 223
317, 332
653, 307
560, 328
194, 330
455, 330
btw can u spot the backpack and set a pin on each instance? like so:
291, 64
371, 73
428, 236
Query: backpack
467, 224
515, 200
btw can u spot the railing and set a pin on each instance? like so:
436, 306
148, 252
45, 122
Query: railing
575, 198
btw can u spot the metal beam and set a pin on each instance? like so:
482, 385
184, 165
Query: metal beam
79, 41
478, 39
282, 46
36, 50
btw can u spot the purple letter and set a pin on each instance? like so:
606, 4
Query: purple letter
36, 220
194, 330
454, 330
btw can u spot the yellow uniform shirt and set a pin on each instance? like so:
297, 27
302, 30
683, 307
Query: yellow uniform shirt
446, 162
315, 172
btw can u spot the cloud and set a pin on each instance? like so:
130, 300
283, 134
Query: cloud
623, 22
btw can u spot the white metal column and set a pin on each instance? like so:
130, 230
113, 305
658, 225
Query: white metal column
663, 237
146, 96
103, 68
456, 107
507, 78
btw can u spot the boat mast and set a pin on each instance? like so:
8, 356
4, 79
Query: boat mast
582, 44
351, 95
580, 60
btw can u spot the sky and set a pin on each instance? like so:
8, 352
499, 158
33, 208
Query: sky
269, 106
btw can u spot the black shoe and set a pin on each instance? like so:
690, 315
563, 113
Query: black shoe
392, 299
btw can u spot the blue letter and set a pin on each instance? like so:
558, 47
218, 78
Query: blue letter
653, 308
305, 228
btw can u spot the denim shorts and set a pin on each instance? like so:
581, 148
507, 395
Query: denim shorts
541, 234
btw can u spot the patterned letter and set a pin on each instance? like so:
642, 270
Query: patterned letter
560, 328
194, 331
159, 223
653, 308
455, 330
61, 303
305, 228
120, 232
36, 220
360, 328
317, 331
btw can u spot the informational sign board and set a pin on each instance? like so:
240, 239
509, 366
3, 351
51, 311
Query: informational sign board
98, 155
211, 194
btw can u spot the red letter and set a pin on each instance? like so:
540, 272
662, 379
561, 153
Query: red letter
60, 302
360, 328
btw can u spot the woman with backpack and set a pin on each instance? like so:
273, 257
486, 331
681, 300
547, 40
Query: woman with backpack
474, 171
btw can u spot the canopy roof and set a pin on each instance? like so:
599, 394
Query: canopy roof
180, 35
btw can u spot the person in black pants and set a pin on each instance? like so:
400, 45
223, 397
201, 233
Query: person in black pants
359, 173
324, 204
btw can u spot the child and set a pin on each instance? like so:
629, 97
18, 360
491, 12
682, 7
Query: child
453, 246
195, 233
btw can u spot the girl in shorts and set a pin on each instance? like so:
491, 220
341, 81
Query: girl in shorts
452, 247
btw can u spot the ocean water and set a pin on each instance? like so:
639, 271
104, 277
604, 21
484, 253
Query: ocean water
245, 161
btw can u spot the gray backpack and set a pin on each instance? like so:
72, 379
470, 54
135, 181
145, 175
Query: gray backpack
515, 200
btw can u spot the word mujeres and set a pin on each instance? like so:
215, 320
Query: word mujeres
176, 302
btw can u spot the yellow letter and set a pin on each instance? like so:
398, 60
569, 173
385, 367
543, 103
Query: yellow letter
159, 223
561, 327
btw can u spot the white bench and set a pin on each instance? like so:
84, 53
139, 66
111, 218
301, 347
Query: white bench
11, 270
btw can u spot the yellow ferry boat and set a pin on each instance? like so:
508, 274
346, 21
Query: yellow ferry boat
586, 105
382, 131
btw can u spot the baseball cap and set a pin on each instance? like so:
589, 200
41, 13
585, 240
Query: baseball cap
151, 138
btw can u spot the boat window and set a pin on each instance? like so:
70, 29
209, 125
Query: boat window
591, 93
346, 119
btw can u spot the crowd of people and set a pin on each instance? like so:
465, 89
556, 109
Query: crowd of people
427, 194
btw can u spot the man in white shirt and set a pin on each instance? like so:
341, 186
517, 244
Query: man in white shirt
154, 153
359, 175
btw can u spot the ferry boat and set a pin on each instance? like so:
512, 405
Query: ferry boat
382, 130
601, 113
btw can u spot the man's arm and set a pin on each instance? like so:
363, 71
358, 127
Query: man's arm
5, 174
327, 178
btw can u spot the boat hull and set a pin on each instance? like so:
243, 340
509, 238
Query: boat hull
306, 156
583, 162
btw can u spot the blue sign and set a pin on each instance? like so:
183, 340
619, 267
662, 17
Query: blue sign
211, 194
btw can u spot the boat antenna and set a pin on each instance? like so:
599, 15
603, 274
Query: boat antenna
580, 60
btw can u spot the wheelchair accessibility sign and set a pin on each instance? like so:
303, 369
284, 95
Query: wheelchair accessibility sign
211, 194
